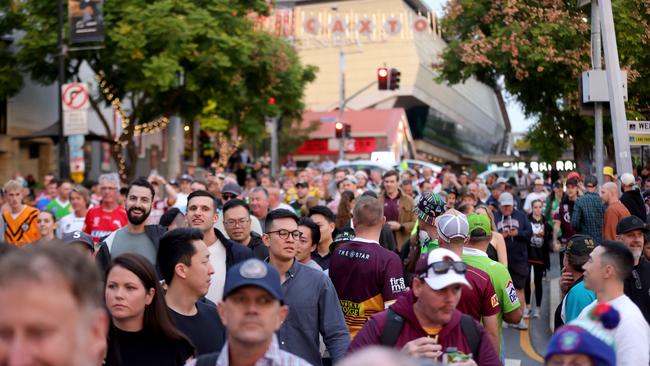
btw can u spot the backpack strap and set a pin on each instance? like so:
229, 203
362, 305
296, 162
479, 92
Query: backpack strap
209, 359
392, 328
472, 334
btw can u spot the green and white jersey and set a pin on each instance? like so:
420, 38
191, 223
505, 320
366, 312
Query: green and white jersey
58, 208
501, 280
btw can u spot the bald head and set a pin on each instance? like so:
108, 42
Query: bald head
609, 192
377, 356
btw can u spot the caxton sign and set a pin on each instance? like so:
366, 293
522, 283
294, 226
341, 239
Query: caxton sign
326, 28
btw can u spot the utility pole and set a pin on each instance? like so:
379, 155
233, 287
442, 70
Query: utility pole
341, 98
598, 107
616, 103
63, 157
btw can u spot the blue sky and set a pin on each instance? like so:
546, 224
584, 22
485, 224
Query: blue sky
519, 122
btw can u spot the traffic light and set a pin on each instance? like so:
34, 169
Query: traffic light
394, 79
347, 130
382, 78
339, 130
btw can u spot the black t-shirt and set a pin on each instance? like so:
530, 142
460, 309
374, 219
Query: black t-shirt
145, 348
637, 287
204, 330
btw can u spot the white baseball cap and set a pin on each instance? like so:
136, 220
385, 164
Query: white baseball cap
436, 279
453, 224
627, 179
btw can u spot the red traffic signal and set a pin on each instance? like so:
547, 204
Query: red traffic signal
339, 130
382, 78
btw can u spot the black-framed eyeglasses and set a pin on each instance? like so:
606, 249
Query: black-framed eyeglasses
284, 233
233, 223
444, 267
228, 196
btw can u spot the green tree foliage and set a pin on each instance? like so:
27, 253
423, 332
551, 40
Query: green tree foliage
537, 49
201, 59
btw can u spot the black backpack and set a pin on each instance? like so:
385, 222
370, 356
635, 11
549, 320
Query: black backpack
395, 322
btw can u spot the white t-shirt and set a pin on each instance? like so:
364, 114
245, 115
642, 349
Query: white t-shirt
532, 197
218, 260
68, 224
632, 334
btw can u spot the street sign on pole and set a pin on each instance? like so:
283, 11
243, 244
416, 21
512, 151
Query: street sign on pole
638, 127
639, 139
75, 101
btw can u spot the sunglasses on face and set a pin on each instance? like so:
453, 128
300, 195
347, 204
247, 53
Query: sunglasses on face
228, 196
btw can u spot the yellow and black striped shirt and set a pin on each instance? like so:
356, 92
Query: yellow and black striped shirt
21, 230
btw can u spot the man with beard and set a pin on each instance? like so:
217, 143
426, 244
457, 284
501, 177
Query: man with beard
135, 237
631, 231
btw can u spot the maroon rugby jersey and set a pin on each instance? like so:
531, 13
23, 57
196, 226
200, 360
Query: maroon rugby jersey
367, 279
480, 300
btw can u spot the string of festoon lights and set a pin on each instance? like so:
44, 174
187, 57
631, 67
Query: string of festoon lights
107, 89
144, 128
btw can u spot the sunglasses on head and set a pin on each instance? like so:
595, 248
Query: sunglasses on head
444, 267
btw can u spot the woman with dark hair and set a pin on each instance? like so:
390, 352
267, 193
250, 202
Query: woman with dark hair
344, 212
142, 331
538, 256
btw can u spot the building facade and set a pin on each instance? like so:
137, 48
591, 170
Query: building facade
460, 123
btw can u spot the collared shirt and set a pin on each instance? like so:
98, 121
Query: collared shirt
313, 309
391, 207
587, 217
323, 261
274, 356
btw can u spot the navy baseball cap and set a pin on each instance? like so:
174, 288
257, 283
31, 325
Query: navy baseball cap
79, 237
253, 272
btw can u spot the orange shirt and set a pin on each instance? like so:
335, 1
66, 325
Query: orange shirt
614, 213
21, 230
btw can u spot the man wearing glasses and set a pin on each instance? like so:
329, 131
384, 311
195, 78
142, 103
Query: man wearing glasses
109, 216
237, 223
231, 191
313, 304
429, 322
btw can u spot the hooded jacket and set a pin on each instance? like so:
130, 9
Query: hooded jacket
451, 334
516, 246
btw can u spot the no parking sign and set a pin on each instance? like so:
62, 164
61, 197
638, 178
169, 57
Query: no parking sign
75, 101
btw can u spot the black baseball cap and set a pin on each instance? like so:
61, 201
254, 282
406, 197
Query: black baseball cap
630, 223
580, 245
253, 272
591, 181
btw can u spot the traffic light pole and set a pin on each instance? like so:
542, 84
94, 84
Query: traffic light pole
341, 99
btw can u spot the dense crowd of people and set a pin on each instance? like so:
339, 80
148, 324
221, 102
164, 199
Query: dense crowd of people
319, 267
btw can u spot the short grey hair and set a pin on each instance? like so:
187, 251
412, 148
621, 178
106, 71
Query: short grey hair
112, 177
261, 189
